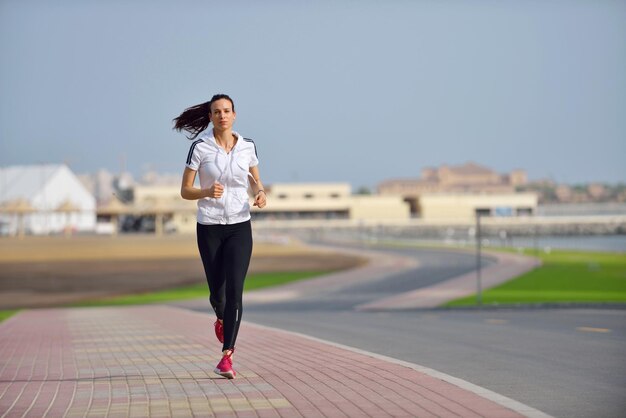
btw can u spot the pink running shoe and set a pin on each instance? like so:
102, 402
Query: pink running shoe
219, 330
225, 366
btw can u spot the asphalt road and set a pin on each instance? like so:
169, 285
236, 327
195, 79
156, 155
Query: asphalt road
565, 362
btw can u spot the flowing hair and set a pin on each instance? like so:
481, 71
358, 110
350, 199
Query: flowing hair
196, 119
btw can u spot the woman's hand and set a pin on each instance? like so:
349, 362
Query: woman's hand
260, 199
216, 191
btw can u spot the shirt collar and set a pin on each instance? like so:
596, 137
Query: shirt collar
208, 137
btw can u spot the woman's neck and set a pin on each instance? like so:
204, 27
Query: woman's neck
225, 139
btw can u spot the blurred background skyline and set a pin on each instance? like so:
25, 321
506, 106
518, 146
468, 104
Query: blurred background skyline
347, 91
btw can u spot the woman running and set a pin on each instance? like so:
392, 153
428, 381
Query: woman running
225, 161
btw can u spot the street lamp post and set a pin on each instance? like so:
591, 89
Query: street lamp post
479, 296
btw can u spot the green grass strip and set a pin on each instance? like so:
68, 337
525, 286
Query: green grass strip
201, 290
7, 314
564, 277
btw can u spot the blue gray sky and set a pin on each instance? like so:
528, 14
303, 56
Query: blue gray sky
356, 91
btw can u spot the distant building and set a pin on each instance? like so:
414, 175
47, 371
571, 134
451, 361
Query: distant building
154, 178
597, 191
464, 206
44, 199
123, 185
100, 185
328, 201
467, 187
285, 201
468, 177
165, 207
563, 192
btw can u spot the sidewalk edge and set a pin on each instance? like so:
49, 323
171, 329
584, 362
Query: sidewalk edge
497, 398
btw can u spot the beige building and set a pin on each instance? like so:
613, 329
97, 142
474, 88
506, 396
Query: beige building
328, 201
285, 201
166, 205
597, 191
302, 201
463, 181
468, 177
464, 207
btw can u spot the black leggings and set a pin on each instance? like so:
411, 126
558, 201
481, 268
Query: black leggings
225, 251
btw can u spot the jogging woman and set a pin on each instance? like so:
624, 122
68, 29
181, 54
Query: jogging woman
225, 161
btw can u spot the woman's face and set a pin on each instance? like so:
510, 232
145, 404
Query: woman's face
222, 114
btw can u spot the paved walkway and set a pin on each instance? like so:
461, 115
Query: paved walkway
157, 361
506, 267
381, 265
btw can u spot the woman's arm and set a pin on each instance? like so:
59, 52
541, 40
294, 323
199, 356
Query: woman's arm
188, 192
260, 199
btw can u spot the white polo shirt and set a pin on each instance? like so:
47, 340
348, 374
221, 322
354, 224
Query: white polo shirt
231, 170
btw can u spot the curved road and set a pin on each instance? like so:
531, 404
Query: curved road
565, 362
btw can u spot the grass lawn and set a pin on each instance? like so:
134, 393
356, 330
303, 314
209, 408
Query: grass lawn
253, 281
564, 277
7, 314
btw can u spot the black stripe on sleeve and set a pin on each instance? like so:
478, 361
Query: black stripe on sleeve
249, 140
193, 146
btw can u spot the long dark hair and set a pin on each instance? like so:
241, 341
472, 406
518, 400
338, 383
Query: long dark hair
195, 119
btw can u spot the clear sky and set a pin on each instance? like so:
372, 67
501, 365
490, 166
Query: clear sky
356, 91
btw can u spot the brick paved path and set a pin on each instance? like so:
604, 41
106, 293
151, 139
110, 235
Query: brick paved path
157, 361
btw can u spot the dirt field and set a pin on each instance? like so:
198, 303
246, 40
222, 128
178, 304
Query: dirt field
48, 271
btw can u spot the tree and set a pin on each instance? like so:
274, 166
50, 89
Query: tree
363, 190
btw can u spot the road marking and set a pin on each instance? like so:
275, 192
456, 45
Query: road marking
497, 321
590, 329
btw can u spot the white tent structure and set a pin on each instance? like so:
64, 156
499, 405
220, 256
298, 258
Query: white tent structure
51, 190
